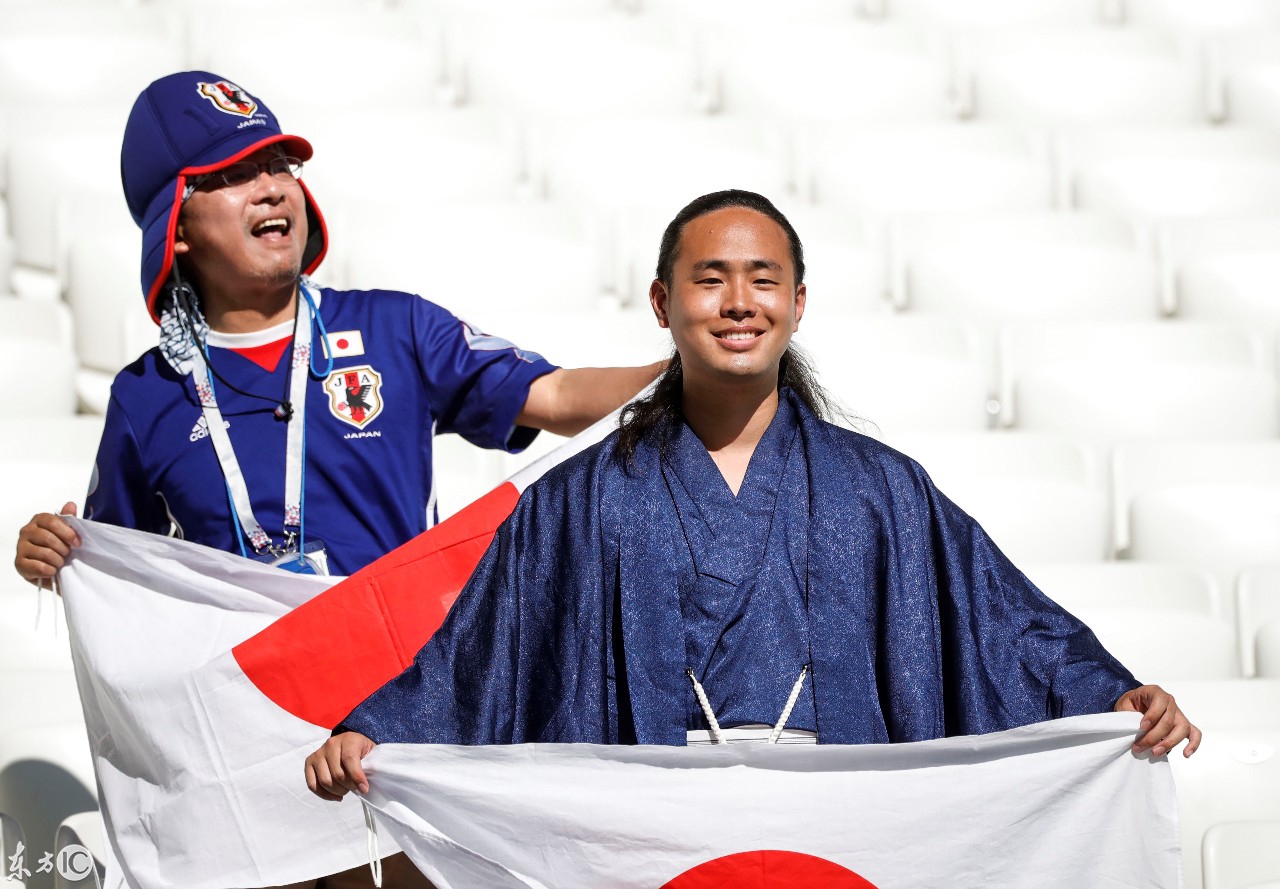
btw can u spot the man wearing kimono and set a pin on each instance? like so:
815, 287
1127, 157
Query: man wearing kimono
729, 565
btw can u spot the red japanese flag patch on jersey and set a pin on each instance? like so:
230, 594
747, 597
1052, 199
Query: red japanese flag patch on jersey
355, 394
343, 344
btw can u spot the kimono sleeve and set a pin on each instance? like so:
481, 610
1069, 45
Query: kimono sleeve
520, 657
478, 383
1019, 656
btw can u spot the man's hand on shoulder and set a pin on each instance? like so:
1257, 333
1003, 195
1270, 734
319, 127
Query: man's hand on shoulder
44, 544
1164, 723
335, 768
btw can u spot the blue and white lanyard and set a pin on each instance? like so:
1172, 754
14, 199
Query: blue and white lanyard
295, 439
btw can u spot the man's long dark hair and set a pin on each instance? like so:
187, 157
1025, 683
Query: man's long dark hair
660, 411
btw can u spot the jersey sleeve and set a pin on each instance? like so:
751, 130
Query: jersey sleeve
119, 493
478, 383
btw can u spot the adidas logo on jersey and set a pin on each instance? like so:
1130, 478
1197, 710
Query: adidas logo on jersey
201, 429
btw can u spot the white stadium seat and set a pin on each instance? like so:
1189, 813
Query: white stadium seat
532, 65
1242, 855
1229, 703
1156, 173
660, 162
1251, 76
832, 70
1222, 269
42, 320
1202, 16
1257, 604
1235, 776
98, 250
1038, 496
1023, 266
478, 260
902, 374
72, 438
941, 168
46, 774
362, 57
1163, 646
1069, 77
1143, 467
1266, 649
83, 830
997, 14
717, 12
44, 170
60, 53
1224, 527
45, 375
1085, 590
1135, 379
412, 156
12, 842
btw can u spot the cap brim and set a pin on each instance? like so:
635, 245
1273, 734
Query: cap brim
160, 220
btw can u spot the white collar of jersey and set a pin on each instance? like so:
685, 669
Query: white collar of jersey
253, 338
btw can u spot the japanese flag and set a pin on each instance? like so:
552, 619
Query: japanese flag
207, 678
1059, 805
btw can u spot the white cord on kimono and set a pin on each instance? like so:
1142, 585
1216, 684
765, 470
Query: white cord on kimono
375, 860
791, 703
717, 736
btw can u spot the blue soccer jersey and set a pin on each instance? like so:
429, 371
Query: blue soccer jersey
403, 369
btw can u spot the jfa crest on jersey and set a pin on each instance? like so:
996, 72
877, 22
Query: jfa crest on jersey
355, 394
228, 97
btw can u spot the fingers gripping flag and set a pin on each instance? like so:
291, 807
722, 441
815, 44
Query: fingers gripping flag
207, 678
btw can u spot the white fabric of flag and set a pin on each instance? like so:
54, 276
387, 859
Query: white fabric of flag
200, 776
1058, 805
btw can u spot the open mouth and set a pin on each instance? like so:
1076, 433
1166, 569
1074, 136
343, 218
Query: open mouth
276, 226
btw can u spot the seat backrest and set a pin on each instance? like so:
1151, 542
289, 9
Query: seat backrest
1139, 467
1160, 647
920, 169
1266, 648
1086, 589
1258, 604
1242, 855
832, 69
1083, 76
1235, 776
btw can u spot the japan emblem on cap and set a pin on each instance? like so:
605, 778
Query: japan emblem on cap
228, 97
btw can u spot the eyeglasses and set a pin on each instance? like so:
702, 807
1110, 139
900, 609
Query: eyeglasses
242, 173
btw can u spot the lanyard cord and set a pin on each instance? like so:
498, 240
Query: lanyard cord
717, 734
301, 362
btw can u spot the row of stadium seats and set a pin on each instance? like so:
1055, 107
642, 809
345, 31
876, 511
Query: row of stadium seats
617, 171
1190, 16
829, 66
981, 266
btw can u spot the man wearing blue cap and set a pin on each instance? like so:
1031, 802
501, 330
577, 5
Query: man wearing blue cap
329, 398
299, 389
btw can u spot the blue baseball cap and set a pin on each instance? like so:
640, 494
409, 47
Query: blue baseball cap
183, 126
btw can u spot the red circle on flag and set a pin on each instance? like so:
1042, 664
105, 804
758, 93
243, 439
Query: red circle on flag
768, 869
342, 343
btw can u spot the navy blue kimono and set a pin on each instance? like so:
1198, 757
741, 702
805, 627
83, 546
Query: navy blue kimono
572, 629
